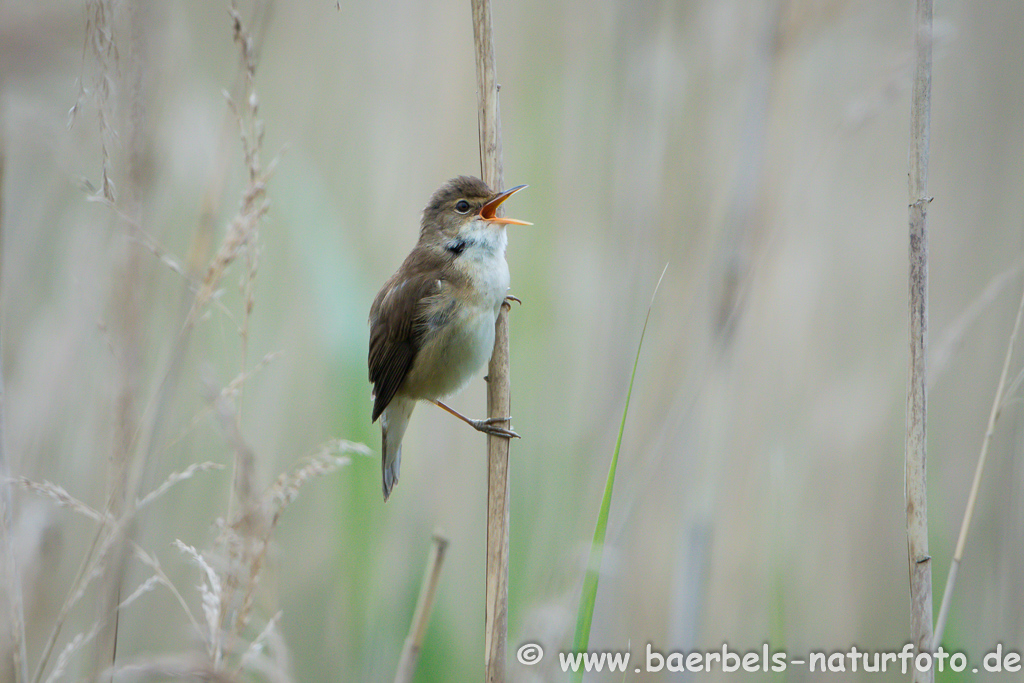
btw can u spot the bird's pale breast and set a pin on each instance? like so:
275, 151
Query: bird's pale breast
463, 336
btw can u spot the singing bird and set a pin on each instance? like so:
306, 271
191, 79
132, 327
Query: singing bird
432, 323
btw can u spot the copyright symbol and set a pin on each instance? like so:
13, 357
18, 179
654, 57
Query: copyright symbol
529, 653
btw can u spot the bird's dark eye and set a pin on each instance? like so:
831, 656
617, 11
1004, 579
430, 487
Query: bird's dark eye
462, 206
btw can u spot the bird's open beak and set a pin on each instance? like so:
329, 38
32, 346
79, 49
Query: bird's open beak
490, 208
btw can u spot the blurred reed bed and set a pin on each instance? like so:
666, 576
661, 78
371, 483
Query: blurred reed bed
231, 636
760, 147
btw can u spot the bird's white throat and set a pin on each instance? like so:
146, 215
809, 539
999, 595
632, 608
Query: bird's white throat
484, 262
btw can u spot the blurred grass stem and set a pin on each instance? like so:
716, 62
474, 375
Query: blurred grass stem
972, 498
12, 585
915, 458
424, 606
588, 592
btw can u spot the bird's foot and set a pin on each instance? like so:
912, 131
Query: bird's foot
490, 426
507, 303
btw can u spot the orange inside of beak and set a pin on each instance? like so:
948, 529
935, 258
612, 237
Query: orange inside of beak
488, 210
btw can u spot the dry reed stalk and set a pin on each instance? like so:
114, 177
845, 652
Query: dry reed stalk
273, 502
246, 531
128, 464
916, 492
972, 498
240, 233
252, 136
202, 239
498, 389
109, 533
424, 605
124, 475
60, 496
136, 439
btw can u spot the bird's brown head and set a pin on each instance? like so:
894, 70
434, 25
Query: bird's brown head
464, 205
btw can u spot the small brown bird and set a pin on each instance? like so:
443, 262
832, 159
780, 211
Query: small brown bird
432, 323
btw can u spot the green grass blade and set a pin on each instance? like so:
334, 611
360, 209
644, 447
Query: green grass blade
588, 596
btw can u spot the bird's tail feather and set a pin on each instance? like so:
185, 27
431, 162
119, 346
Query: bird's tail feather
393, 422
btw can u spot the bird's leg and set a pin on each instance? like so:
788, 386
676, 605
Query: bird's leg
488, 426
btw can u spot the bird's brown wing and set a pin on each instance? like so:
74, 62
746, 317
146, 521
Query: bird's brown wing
395, 338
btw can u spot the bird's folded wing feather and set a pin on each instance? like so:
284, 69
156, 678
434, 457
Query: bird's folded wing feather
395, 336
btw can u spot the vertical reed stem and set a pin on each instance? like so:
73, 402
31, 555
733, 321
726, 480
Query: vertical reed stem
498, 401
916, 454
